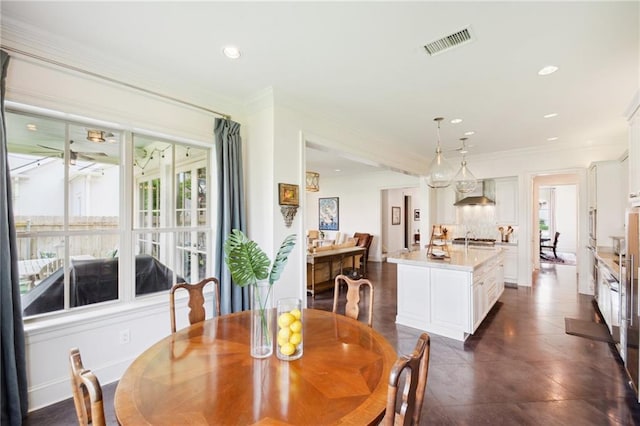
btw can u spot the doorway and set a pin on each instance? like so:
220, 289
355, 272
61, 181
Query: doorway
555, 209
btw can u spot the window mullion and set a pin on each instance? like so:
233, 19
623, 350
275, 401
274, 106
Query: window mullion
128, 189
65, 221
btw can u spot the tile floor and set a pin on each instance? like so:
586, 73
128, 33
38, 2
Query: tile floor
520, 368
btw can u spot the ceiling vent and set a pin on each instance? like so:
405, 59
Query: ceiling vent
448, 42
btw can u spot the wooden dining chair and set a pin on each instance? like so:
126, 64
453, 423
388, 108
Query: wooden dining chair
197, 312
352, 308
87, 393
552, 246
413, 369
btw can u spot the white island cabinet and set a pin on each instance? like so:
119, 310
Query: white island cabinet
448, 297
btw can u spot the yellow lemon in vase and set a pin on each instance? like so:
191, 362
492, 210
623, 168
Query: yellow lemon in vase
287, 349
285, 319
296, 326
295, 339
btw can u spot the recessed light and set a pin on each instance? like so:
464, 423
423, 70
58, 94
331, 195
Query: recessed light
337, 170
456, 121
555, 138
469, 133
549, 69
231, 52
553, 114
32, 127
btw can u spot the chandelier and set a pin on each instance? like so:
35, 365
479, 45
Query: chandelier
465, 181
440, 173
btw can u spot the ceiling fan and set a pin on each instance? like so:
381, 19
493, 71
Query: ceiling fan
74, 155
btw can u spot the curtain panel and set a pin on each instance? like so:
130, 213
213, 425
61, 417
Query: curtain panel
13, 371
231, 209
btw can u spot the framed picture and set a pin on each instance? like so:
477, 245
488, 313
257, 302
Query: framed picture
288, 194
416, 214
395, 215
328, 214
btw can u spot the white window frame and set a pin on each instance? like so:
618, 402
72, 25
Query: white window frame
127, 299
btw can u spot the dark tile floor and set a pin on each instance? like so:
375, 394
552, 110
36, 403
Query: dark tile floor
520, 368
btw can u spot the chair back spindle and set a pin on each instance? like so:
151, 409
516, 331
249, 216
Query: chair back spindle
414, 368
352, 308
87, 392
197, 311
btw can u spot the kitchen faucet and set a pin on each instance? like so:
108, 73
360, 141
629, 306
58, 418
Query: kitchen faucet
466, 240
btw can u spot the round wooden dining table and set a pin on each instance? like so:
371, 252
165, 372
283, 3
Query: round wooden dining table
205, 375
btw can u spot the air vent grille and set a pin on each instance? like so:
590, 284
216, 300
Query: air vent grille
448, 42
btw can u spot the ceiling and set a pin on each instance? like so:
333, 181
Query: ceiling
363, 64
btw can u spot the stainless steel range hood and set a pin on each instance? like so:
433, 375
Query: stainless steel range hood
482, 196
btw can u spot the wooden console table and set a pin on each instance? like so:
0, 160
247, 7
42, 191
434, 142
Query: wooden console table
329, 256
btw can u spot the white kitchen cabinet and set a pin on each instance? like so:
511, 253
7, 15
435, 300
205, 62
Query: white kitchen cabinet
609, 200
479, 303
510, 263
604, 298
507, 201
450, 299
413, 293
445, 210
485, 290
500, 271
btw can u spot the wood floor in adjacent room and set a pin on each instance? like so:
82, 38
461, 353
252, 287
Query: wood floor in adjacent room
520, 368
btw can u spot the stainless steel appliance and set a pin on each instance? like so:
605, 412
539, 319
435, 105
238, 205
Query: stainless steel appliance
630, 311
593, 269
612, 311
486, 242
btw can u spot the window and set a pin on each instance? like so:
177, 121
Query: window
70, 186
546, 212
172, 178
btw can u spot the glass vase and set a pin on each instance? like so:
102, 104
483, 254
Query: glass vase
261, 320
289, 330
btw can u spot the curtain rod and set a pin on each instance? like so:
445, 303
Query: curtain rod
113, 80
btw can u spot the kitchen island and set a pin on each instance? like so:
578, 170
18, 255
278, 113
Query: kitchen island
449, 297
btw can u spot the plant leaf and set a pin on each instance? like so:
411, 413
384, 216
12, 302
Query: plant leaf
247, 263
281, 258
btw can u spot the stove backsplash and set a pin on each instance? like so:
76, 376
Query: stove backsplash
481, 230
480, 221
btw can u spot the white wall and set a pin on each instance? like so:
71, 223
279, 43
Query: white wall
362, 203
566, 204
104, 196
38, 193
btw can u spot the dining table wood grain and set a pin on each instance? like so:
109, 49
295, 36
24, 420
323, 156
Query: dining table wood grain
204, 375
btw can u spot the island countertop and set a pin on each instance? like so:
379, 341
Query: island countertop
459, 260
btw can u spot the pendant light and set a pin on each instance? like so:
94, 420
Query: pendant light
464, 180
440, 172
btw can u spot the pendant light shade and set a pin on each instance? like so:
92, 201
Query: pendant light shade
440, 173
465, 181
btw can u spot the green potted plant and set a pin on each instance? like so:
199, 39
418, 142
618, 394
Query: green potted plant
250, 266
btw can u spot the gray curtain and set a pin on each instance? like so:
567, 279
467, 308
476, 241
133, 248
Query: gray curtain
231, 209
13, 370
